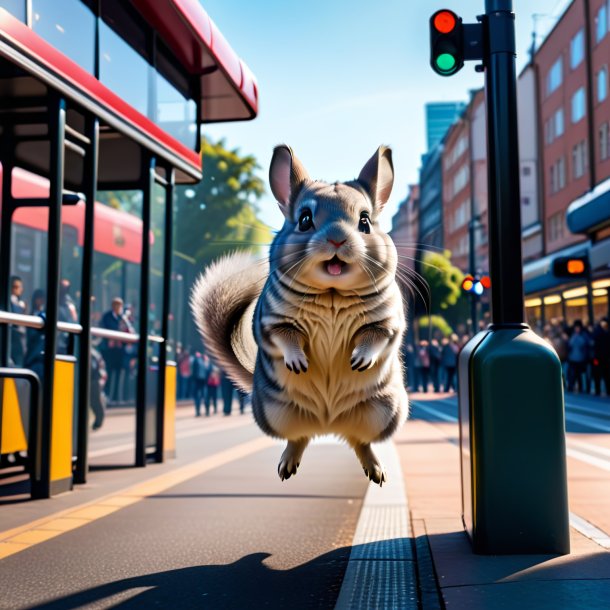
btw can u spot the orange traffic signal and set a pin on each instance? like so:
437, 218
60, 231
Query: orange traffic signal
571, 266
576, 266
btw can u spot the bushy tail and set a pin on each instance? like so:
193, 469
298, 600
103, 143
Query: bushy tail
223, 301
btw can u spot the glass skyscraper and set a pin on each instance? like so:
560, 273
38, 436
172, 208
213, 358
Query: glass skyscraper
439, 117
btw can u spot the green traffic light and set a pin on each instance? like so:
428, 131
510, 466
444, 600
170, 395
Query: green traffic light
445, 62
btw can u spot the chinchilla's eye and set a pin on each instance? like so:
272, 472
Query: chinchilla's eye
305, 220
365, 223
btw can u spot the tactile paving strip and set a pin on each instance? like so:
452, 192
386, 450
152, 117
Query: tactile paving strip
381, 571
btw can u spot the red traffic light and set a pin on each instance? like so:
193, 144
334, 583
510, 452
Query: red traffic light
444, 21
486, 281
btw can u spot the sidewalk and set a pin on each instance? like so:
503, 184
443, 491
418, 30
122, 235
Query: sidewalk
429, 458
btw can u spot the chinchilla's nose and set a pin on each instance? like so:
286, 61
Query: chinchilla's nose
336, 234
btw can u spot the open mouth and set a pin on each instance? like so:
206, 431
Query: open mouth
335, 266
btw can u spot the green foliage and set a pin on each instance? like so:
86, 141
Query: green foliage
436, 322
219, 214
443, 279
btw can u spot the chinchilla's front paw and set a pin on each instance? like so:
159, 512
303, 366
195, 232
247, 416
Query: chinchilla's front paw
296, 361
363, 358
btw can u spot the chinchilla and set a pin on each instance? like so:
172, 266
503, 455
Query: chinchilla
314, 333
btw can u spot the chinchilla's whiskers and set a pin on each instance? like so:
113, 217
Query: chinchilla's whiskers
403, 274
415, 244
413, 280
368, 272
423, 262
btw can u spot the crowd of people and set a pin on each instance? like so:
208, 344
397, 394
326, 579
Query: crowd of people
201, 380
113, 363
584, 352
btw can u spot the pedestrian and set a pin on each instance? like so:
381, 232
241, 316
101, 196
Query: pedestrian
435, 364
97, 396
17, 333
113, 350
200, 367
227, 394
211, 395
242, 397
184, 373
422, 363
578, 357
449, 354
66, 312
601, 357
34, 355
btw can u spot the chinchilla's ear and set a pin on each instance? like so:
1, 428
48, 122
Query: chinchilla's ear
377, 176
286, 176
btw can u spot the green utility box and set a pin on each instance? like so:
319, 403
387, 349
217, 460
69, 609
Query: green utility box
512, 443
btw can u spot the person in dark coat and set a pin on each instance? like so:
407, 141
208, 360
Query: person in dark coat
113, 351
226, 389
17, 333
578, 357
601, 357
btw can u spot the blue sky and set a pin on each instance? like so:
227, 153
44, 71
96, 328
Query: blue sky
337, 78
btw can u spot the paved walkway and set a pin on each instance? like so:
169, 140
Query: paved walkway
216, 528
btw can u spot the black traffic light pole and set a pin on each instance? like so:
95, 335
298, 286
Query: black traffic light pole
512, 430
503, 164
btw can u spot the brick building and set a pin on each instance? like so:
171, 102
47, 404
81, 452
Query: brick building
465, 187
573, 115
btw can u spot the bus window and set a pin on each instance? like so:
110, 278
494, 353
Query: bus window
15, 8
69, 25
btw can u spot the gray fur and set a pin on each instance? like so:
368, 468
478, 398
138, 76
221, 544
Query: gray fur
317, 338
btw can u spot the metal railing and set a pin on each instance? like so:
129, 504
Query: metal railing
18, 319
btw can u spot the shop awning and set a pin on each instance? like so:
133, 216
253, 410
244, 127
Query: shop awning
228, 88
591, 211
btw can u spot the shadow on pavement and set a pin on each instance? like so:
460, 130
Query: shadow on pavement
246, 583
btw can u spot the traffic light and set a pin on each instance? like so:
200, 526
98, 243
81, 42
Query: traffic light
575, 266
446, 42
476, 285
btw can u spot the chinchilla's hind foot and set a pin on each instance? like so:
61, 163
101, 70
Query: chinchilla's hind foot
291, 458
373, 468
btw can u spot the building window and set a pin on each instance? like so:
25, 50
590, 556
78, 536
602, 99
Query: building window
601, 23
604, 141
579, 159
558, 175
561, 170
556, 226
460, 179
558, 122
527, 170
578, 105
577, 49
554, 76
15, 7
68, 25
553, 128
602, 84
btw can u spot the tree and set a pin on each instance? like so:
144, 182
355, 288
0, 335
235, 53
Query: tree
444, 281
219, 214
